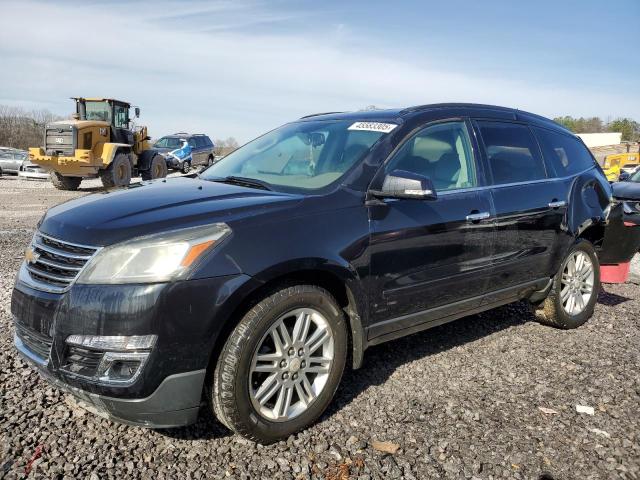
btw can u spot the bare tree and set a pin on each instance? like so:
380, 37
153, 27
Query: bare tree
20, 128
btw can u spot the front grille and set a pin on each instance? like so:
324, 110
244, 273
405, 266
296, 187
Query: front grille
82, 361
38, 343
56, 263
60, 140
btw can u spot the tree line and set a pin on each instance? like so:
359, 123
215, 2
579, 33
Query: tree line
20, 128
629, 128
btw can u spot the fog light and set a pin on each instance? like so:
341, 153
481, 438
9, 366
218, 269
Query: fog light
119, 368
108, 359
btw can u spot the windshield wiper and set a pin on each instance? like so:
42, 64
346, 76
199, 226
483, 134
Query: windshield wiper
243, 182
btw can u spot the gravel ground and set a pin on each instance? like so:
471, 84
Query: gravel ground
460, 401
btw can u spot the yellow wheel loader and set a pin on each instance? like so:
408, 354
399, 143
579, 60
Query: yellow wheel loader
99, 141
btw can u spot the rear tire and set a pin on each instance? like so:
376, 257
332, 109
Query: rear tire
64, 183
210, 160
157, 169
118, 173
294, 383
568, 304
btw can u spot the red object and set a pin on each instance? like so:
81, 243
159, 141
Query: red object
34, 457
615, 273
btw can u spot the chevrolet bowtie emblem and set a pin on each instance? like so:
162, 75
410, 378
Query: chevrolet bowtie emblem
31, 256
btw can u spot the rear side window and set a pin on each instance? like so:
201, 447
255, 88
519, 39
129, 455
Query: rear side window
565, 155
512, 152
201, 142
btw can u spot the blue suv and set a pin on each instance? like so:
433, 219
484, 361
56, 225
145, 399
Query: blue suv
183, 151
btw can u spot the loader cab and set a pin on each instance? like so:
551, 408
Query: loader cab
114, 112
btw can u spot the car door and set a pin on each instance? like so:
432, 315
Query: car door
530, 206
429, 259
195, 152
15, 162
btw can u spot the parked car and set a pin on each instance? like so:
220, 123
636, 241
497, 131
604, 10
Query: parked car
200, 151
11, 160
251, 284
32, 170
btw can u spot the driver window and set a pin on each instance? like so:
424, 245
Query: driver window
441, 152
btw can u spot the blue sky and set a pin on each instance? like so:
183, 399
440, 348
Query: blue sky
238, 68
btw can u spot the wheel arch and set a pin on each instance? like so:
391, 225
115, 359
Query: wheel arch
340, 284
110, 150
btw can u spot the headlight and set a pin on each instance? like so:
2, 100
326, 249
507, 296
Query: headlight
155, 258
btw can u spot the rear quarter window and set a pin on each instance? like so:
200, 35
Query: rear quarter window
564, 154
512, 152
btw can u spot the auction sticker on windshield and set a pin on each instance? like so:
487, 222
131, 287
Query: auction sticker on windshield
373, 126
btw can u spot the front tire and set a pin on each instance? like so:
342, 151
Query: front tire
574, 291
281, 365
157, 169
65, 183
185, 167
118, 173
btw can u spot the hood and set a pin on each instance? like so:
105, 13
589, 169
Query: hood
626, 191
160, 205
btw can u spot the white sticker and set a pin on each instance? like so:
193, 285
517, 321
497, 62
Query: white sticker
373, 126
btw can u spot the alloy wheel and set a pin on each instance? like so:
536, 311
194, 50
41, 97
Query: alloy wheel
577, 281
291, 365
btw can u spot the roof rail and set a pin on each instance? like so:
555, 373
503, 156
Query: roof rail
461, 104
318, 114
180, 133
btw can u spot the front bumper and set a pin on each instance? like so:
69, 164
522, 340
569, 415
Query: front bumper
174, 403
186, 316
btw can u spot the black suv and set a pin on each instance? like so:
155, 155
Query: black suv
200, 150
248, 287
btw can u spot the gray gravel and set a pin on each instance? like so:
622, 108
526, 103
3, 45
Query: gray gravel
461, 401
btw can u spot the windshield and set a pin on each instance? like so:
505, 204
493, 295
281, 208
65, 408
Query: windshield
307, 155
169, 142
97, 111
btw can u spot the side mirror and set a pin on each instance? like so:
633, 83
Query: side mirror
624, 176
137, 111
408, 185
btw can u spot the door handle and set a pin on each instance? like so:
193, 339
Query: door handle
557, 204
476, 217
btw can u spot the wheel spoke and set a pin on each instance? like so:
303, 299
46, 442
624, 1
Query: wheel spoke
272, 367
580, 302
570, 302
283, 403
309, 394
277, 341
317, 339
301, 327
268, 388
284, 333
318, 365
579, 262
564, 294
571, 266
